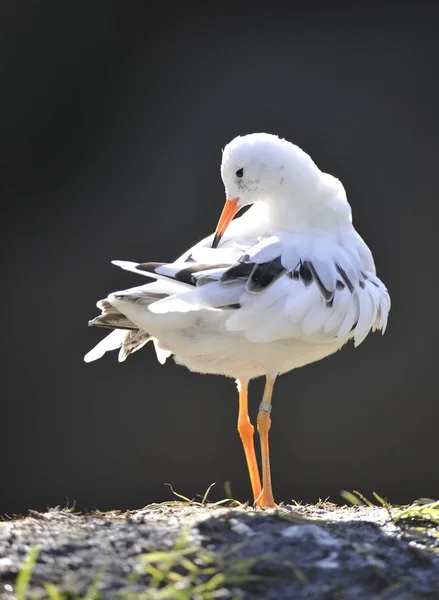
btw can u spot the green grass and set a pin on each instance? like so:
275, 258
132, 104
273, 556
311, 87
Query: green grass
423, 511
186, 572
189, 572
184, 500
422, 516
25, 574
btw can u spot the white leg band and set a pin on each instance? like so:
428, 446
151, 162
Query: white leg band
265, 406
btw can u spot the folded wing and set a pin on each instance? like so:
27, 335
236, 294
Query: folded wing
282, 287
279, 289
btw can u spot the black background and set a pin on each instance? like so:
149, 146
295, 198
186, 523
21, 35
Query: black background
113, 117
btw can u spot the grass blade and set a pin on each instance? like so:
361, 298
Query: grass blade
206, 493
25, 574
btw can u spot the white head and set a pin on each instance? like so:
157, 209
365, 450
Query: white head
261, 167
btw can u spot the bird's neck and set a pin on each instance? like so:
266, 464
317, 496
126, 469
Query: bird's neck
320, 207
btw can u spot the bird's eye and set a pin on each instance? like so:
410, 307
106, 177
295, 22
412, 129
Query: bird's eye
239, 173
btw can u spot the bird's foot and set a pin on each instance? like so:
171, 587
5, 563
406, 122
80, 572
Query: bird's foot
265, 500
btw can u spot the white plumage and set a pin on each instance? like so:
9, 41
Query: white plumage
290, 282
304, 218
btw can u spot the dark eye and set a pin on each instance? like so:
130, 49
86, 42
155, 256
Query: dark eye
239, 173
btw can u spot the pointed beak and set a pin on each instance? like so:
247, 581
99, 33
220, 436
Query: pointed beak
229, 211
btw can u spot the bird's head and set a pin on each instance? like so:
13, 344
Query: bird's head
262, 167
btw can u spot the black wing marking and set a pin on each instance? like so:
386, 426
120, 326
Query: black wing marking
257, 276
305, 273
241, 270
264, 274
260, 276
185, 275
328, 295
345, 278
150, 267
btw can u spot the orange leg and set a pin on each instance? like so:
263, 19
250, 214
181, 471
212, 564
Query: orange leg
265, 498
246, 430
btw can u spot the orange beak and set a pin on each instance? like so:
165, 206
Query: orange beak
229, 211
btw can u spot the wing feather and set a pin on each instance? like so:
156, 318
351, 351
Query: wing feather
211, 295
282, 286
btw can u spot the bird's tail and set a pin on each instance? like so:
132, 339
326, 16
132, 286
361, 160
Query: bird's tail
126, 336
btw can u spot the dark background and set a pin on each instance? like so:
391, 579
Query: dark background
113, 117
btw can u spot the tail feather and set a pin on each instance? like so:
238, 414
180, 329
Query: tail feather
133, 342
125, 336
111, 318
113, 341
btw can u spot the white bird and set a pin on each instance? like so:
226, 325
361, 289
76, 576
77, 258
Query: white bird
286, 284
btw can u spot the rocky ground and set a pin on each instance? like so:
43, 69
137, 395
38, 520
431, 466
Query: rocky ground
186, 551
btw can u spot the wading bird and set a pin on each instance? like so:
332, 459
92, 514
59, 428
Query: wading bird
286, 284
